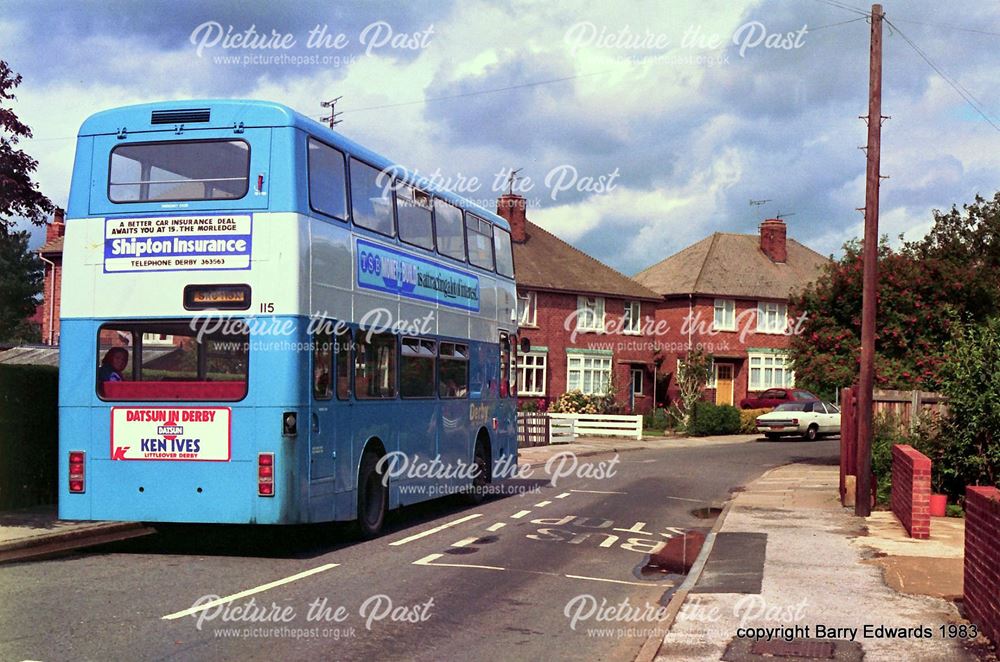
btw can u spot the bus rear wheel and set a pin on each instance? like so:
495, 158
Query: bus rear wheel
483, 477
373, 497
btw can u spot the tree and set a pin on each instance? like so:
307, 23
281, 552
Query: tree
19, 195
926, 288
693, 372
20, 282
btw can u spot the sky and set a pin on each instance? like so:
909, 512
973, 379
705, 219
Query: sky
640, 127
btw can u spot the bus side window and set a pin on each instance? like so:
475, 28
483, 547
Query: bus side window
413, 211
416, 373
323, 365
453, 370
512, 378
327, 180
371, 199
342, 352
375, 367
504, 252
480, 237
448, 232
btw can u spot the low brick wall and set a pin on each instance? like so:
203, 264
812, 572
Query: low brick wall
911, 490
982, 563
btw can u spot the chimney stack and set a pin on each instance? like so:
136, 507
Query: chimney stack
57, 227
513, 208
773, 240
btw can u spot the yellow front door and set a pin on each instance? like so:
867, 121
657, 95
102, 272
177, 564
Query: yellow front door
723, 383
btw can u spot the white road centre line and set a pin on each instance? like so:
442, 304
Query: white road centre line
684, 499
252, 591
497, 526
519, 514
465, 541
436, 529
542, 504
617, 581
563, 495
596, 492
433, 557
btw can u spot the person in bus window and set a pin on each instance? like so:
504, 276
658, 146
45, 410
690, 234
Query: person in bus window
112, 365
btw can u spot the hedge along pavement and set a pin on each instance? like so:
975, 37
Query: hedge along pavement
29, 435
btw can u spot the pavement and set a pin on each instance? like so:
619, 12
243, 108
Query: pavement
38, 531
826, 581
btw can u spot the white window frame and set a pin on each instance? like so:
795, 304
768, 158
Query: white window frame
597, 366
632, 319
529, 300
727, 308
772, 317
589, 313
764, 369
538, 363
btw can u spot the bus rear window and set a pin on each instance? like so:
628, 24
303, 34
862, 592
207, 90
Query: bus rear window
183, 170
172, 361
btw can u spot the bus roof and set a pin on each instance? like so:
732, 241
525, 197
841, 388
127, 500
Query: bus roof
252, 113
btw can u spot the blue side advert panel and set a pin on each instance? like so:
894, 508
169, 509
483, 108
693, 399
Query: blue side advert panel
386, 269
177, 243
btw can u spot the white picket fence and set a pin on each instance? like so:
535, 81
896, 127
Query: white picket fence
594, 425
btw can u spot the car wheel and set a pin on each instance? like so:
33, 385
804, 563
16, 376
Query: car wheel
812, 433
373, 497
773, 436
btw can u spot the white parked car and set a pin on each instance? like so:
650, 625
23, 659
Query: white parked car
809, 419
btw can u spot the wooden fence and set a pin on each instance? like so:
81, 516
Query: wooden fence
604, 425
532, 429
905, 408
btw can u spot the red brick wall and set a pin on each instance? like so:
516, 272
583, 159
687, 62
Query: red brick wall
47, 294
982, 563
628, 351
911, 490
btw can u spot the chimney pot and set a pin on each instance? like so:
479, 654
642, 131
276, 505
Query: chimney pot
57, 227
512, 207
773, 239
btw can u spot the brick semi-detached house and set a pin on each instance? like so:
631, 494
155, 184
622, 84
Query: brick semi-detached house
729, 294
51, 254
583, 319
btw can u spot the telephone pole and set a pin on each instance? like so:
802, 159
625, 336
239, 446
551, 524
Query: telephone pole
866, 379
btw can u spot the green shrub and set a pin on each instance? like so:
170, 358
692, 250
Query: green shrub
711, 419
748, 419
659, 420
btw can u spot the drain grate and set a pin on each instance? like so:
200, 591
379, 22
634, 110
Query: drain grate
809, 648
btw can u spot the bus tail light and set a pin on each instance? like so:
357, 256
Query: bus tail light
77, 481
265, 474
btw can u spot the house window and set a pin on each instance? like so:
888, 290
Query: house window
527, 307
770, 371
637, 381
532, 369
590, 313
632, 322
588, 372
772, 317
725, 315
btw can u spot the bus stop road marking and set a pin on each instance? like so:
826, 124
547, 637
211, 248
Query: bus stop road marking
519, 514
430, 559
242, 594
427, 560
685, 499
563, 495
465, 541
436, 529
542, 504
497, 526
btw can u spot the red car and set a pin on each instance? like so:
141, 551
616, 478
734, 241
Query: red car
773, 397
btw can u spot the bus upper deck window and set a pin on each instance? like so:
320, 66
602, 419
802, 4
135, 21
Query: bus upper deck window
183, 170
327, 180
448, 230
480, 237
371, 198
413, 208
505, 256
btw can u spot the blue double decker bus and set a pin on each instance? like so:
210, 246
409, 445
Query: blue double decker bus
265, 322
